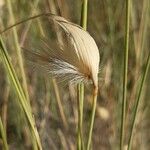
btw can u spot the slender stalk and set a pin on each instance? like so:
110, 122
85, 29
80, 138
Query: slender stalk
18, 50
80, 141
60, 105
95, 91
19, 91
22, 40
125, 73
3, 135
27, 27
19, 55
138, 102
139, 43
5, 106
84, 14
26, 20
80, 115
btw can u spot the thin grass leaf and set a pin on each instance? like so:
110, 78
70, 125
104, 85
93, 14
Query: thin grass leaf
18, 51
26, 20
94, 104
125, 74
80, 95
138, 102
3, 135
19, 91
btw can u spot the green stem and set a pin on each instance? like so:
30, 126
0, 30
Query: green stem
80, 115
125, 73
19, 91
80, 143
138, 102
84, 14
18, 51
3, 135
92, 117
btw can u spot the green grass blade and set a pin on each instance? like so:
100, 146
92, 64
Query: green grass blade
138, 102
22, 98
18, 51
125, 73
95, 91
3, 135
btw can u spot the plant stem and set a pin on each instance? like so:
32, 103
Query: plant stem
25, 20
80, 115
3, 135
84, 14
138, 102
19, 91
18, 51
60, 105
125, 73
95, 91
80, 143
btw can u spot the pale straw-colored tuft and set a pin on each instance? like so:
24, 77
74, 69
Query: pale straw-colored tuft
76, 60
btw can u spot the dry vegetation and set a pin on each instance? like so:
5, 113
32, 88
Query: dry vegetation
54, 103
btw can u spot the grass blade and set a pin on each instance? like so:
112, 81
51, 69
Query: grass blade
138, 102
22, 98
95, 92
18, 51
3, 135
60, 105
125, 73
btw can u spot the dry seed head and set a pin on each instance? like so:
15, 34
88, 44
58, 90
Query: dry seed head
77, 59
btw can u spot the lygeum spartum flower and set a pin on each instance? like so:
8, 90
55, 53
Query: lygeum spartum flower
77, 58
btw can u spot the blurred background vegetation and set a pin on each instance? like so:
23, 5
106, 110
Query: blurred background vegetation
54, 103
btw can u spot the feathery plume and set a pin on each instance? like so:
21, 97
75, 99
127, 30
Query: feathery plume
76, 60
